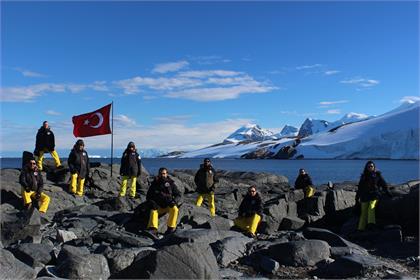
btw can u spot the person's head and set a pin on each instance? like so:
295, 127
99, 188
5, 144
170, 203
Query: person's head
302, 171
163, 172
252, 190
206, 162
369, 167
131, 146
31, 164
45, 125
80, 145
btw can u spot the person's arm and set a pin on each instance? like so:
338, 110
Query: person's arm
383, 185
122, 164
87, 164
23, 182
176, 194
37, 144
71, 161
138, 165
40, 185
242, 207
196, 178
215, 176
310, 181
297, 183
53, 141
150, 195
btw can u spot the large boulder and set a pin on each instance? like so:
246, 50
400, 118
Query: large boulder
291, 223
12, 268
183, 261
120, 259
74, 262
230, 249
34, 255
122, 237
300, 253
354, 265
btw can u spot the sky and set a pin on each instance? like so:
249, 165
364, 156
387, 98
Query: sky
185, 75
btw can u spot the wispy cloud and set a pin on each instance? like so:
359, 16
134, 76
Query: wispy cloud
52, 113
410, 99
327, 103
331, 72
124, 121
361, 82
334, 111
173, 118
170, 66
209, 60
209, 73
305, 67
29, 73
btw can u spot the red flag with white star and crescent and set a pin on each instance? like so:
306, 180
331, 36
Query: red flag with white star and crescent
93, 123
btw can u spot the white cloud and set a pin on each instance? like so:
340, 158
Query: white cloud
334, 111
29, 73
208, 60
361, 82
327, 103
52, 113
173, 118
410, 99
304, 67
132, 86
331, 72
170, 66
209, 73
124, 121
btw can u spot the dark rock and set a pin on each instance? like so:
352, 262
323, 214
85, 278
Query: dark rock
300, 253
64, 236
122, 237
120, 259
12, 268
34, 255
352, 266
266, 264
230, 249
389, 235
218, 223
292, 209
184, 261
76, 262
291, 223
295, 195
339, 206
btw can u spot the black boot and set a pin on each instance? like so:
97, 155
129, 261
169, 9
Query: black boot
169, 230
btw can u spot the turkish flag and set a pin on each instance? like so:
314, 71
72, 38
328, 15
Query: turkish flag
93, 123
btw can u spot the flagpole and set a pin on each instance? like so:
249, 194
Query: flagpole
112, 134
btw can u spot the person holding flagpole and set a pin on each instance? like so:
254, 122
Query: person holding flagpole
79, 167
130, 169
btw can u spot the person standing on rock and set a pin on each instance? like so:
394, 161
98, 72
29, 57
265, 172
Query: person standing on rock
250, 212
32, 185
45, 142
304, 182
130, 169
79, 167
371, 181
205, 180
163, 197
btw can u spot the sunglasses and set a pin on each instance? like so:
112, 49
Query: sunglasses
252, 191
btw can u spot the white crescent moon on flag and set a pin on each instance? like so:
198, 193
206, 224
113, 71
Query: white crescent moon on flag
101, 120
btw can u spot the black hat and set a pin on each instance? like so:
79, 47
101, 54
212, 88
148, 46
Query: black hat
80, 142
206, 159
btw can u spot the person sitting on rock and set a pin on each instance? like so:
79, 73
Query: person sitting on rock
304, 182
32, 185
163, 196
250, 212
45, 142
368, 189
205, 180
79, 167
130, 169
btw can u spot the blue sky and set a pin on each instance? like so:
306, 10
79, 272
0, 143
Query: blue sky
186, 75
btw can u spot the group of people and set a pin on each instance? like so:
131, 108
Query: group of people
163, 195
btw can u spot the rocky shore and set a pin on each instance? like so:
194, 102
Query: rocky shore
99, 236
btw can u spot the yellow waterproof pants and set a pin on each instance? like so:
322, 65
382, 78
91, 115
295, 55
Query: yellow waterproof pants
44, 200
248, 224
154, 217
367, 215
309, 191
210, 199
124, 185
40, 158
77, 184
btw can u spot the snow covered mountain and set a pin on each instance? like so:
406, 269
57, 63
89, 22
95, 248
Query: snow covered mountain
311, 126
287, 131
249, 132
393, 135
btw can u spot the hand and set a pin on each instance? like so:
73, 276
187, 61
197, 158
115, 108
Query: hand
172, 204
37, 196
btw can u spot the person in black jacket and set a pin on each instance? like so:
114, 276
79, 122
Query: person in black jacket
304, 182
250, 212
163, 196
79, 167
371, 181
130, 169
45, 142
32, 185
205, 180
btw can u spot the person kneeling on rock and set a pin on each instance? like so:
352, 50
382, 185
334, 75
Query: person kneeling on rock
79, 167
163, 196
304, 182
32, 185
250, 212
130, 169
205, 180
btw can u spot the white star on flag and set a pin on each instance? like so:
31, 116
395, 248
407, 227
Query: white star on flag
86, 122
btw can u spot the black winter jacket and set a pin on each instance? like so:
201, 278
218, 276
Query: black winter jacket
370, 185
303, 181
79, 163
163, 193
130, 164
31, 181
206, 179
44, 140
251, 205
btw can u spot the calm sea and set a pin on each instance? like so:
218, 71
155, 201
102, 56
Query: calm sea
321, 171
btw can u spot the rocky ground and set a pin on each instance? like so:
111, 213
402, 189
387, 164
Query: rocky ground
100, 236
